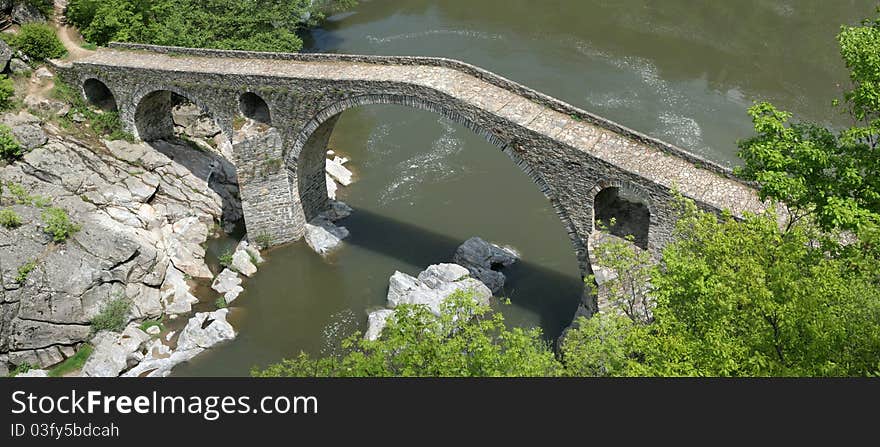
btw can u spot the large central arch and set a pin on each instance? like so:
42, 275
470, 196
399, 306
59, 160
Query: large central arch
306, 158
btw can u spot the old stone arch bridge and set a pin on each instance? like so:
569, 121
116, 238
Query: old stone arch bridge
577, 159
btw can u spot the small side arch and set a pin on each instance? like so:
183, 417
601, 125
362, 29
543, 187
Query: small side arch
99, 95
629, 209
254, 107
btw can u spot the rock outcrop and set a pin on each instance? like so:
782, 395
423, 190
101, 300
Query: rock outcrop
143, 219
203, 331
431, 289
485, 261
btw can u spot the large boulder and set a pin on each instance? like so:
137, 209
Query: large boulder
5, 54
434, 286
205, 330
484, 261
30, 136
115, 353
229, 284
24, 12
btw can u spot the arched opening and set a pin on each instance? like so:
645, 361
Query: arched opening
253, 107
187, 133
622, 214
425, 186
98, 95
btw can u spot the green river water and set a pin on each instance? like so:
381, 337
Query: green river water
680, 70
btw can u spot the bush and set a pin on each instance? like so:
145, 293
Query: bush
9, 219
58, 224
10, 149
7, 92
114, 316
39, 42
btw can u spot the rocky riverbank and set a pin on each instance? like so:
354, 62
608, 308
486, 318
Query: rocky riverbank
138, 218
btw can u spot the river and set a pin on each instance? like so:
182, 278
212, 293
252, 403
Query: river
681, 70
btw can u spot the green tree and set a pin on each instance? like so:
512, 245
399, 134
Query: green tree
271, 25
744, 299
814, 171
467, 340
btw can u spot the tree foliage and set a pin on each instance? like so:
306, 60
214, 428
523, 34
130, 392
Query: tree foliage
242, 24
832, 176
466, 340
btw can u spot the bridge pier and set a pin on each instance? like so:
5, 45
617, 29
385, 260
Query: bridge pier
267, 199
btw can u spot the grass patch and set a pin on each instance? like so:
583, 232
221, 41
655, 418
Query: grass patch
160, 323
102, 124
73, 363
114, 316
20, 196
221, 303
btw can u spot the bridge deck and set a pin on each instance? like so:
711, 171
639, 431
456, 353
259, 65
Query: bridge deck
628, 154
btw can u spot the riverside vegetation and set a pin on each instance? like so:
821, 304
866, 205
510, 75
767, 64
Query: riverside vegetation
731, 298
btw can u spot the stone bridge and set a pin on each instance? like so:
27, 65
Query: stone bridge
584, 164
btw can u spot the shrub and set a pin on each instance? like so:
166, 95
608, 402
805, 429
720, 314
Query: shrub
24, 271
7, 92
73, 363
39, 42
10, 149
113, 317
9, 219
221, 303
58, 224
226, 258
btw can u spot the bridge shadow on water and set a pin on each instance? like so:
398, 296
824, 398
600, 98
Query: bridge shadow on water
551, 295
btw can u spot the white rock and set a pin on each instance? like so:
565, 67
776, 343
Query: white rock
241, 263
434, 286
154, 330
376, 322
176, 297
114, 352
205, 330
323, 236
339, 173
332, 187
34, 373
229, 284
254, 252
400, 285
44, 73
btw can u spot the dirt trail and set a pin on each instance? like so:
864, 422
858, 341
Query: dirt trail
69, 36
